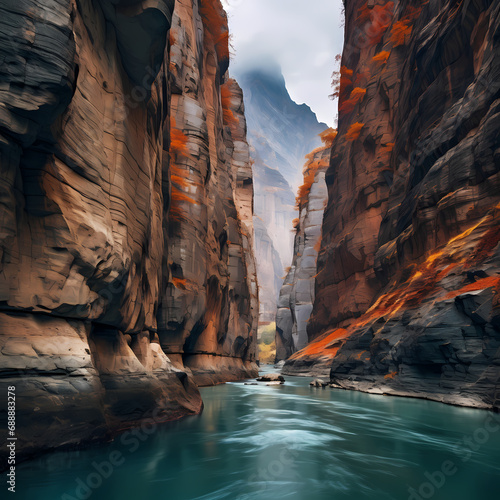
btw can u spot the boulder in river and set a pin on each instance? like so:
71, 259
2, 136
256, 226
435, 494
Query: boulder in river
318, 383
272, 377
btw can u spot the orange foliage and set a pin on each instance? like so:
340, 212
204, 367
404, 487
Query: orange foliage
390, 375
354, 131
423, 284
215, 22
357, 94
178, 195
328, 136
399, 32
179, 283
310, 169
403, 28
183, 284
481, 284
389, 146
485, 246
341, 82
295, 222
305, 188
381, 57
346, 107
180, 184
317, 246
326, 345
376, 20
346, 72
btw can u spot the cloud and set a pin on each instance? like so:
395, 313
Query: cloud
303, 37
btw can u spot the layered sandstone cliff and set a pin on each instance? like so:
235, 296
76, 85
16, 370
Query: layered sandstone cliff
209, 307
408, 272
92, 244
297, 293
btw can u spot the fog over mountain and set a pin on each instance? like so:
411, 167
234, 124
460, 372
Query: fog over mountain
280, 134
304, 45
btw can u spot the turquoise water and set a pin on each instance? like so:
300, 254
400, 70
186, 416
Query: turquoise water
286, 442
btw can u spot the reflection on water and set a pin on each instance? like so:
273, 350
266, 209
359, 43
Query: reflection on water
287, 442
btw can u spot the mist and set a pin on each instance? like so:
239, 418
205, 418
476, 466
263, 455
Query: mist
302, 37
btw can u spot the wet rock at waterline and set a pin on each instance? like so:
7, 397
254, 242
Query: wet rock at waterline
272, 377
318, 383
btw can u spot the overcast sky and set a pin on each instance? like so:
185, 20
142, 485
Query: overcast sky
302, 36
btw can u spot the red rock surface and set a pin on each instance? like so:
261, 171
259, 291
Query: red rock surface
415, 165
210, 304
103, 239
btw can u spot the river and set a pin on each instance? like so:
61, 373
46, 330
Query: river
286, 442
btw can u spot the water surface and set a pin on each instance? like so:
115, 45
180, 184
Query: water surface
286, 442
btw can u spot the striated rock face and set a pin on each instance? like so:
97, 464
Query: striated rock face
281, 133
210, 304
408, 270
297, 293
269, 268
88, 248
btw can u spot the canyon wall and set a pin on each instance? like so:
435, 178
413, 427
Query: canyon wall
280, 133
95, 259
408, 271
297, 293
209, 313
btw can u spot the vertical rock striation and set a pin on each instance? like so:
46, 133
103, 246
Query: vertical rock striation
88, 255
208, 312
408, 272
297, 293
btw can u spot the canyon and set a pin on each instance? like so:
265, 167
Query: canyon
127, 275
280, 134
406, 294
297, 293
147, 200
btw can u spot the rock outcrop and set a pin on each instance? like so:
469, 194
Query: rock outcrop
209, 312
408, 272
280, 133
297, 293
93, 248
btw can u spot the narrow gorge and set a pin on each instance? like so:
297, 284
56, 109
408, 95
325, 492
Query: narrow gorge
212, 273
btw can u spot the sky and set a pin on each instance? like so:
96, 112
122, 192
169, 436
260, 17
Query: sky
302, 36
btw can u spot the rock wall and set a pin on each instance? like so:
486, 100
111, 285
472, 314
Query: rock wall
269, 271
209, 311
296, 299
407, 286
87, 237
